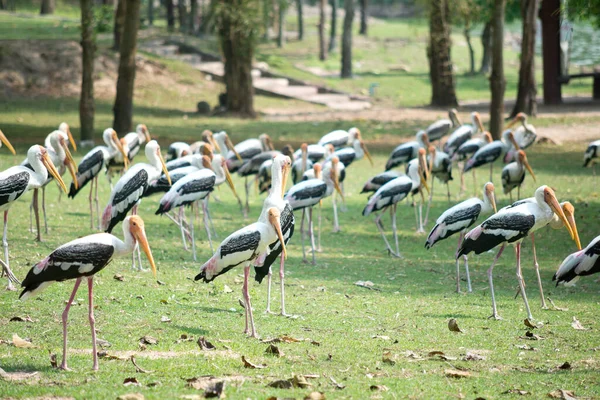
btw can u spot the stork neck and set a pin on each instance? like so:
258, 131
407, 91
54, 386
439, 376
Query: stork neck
126, 246
358, 150
41, 173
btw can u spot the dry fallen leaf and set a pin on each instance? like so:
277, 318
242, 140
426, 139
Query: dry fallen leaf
577, 325
281, 384
388, 358
164, 318
315, 396
18, 318
215, 390
139, 369
248, 364
118, 277
337, 385
526, 347
299, 381
148, 340
440, 355
565, 365
22, 343
227, 289
53, 361
455, 373
315, 343
131, 381
516, 391
412, 354
103, 343
205, 345
453, 325
19, 376
473, 357
381, 388
106, 356
184, 338
562, 394
367, 285
274, 350
530, 324
531, 336
382, 337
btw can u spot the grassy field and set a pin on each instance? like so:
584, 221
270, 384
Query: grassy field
356, 329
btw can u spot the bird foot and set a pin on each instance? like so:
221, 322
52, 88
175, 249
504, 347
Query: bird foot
336, 230
64, 367
290, 316
319, 250
545, 307
495, 316
268, 311
10, 287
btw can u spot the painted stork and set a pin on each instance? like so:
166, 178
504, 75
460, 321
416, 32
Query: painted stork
341, 177
196, 187
61, 158
407, 151
314, 152
15, 181
440, 167
374, 183
116, 165
306, 194
591, 155
245, 150
161, 185
130, 188
177, 150
82, 259
207, 138
193, 160
440, 128
91, 165
249, 245
135, 140
513, 174
348, 155
511, 225
525, 135
301, 164
471, 146
389, 195
280, 169
251, 167
463, 133
63, 127
340, 137
4, 141
459, 218
490, 153
581, 263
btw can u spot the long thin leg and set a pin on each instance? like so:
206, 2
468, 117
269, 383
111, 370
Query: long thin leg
393, 210
491, 171
36, 212
336, 224
469, 288
251, 330
416, 212
90, 200
319, 227
304, 260
491, 281
212, 227
521, 282
206, 227
448, 191
97, 204
463, 187
421, 230
519, 192
65, 316
380, 228
343, 207
192, 232
247, 209
281, 277
181, 211
269, 276
537, 272
31, 216
429, 201
92, 320
510, 197
312, 235
10, 285
44, 209
460, 239
474, 182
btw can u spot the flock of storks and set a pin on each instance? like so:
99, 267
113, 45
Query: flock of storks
192, 171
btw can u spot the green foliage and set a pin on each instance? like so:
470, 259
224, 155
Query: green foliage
586, 10
103, 18
240, 18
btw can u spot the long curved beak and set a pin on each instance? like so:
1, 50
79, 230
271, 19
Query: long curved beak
492, 197
555, 206
164, 167
7, 143
424, 171
232, 147
148, 138
304, 160
336, 183
71, 166
71, 139
275, 221
367, 154
214, 143
526, 163
121, 149
512, 123
52, 170
230, 181
478, 118
570, 214
140, 236
284, 178
511, 137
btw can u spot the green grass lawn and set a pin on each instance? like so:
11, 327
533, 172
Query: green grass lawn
353, 326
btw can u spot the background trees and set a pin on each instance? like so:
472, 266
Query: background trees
88, 48
347, 39
497, 81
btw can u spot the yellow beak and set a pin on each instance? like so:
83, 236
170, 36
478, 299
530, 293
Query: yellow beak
164, 167
569, 211
367, 154
52, 171
140, 236
526, 163
71, 166
232, 147
555, 206
284, 178
71, 139
7, 143
121, 149
277, 225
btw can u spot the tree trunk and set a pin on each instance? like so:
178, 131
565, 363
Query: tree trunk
497, 81
347, 39
123, 108
333, 31
300, 20
527, 91
150, 12
182, 15
237, 46
194, 20
486, 43
322, 48
441, 72
88, 47
364, 4
47, 7
170, 15
119, 23
467, 33
281, 6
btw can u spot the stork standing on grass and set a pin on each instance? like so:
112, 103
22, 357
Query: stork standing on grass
440, 167
490, 153
82, 259
340, 137
459, 218
405, 152
525, 135
462, 134
441, 127
511, 225
513, 174
248, 246
91, 165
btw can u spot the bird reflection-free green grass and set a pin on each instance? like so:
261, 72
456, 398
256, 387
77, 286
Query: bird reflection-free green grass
344, 329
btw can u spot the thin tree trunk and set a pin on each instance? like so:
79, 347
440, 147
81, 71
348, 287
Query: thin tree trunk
123, 108
497, 81
333, 30
527, 91
467, 33
322, 48
182, 15
170, 15
193, 23
441, 73
347, 39
119, 22
150, 12
281, 5
88, 47
47, 7
364, 14
266, 18
486, 43
300, 19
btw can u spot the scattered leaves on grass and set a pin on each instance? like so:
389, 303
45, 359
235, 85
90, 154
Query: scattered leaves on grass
379, 388
382, 337
53, 361
248, 364
526, 347
184, 338
388, 358
19, 376
281, 384
118, 277
315, 396
205, 345
315, 343
19, 318
22, 343
213, 387
516, 391
337, 385
453, 326
562, 394
531, 336
440, 355
283, 339
530, 324
215, 390
470, 356
299, 381
274, 351
139, 369
148, 340
367, 285
577, 325
412, 354
132, 381
103, 343
456, 373
565, 366
227, 289
164, 318
131, 396
555, 307
106, 356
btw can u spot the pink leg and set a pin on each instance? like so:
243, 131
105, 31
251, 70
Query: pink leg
490, 279
92, 320
250, 329
521, 281
10, 285
91, 207
65, 316
537, 272
281, 277
460, 239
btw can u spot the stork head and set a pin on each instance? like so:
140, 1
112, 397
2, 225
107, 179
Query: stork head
522, 159
549, 197
490, 195
154, 155
64, 127
143, 130
134, 225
